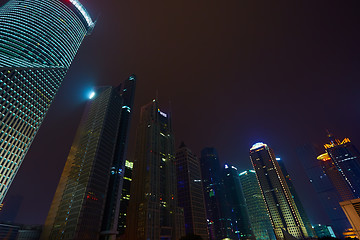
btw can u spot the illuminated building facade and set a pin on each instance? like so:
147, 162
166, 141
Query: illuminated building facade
236, 205
322, 183
219, 225
282, 210
346, 158
258, 214
153, 210
323, 231
190, 191
297, 200
78, 209
39, 40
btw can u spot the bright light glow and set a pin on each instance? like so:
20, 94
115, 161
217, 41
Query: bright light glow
278, 159
83, 11
226, 166
92, 95
233, 167
258, 145
128, 108
162, 113
324, 157
253, 171
129, 164
244, 172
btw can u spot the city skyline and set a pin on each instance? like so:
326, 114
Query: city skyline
284, 135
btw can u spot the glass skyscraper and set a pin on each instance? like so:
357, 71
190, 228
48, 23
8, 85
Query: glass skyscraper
153, 211
346, 158
190, 191
258, 214
297, 200
282, 209
236, 206
80, 207
323, 184
38, 41
219, 224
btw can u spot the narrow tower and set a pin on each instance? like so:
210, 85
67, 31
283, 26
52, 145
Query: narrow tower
258, 214
282, 210
153, 211
39, 40
190, 191
78, 210
219, 224
236, 205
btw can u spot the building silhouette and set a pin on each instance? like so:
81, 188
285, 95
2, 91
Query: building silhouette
78, 209
297, 200
153, 211
219, 225
190, 191
236, 205
39, 40
282, 210
258, 214
326, 191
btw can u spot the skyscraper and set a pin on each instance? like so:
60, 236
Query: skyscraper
153, 210
190, 191
283, 212
38, 41
78, 208
258, 214
112, 205
346, 158
236, 205
297, 200
125, 197
327, 193
342, 187
219, 224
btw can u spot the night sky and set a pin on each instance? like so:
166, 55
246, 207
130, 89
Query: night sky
232, 73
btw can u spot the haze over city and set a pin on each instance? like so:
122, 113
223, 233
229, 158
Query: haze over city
231, 73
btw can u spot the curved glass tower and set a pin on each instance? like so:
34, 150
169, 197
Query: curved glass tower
38, 41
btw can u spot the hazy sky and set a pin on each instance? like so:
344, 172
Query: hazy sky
232, 73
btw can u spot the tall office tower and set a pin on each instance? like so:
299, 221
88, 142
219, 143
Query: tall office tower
283, 212
39, 39
112, 206
297, 200
258, 214
346, 158
327, 193
125, 197
78, 208
341, 185
190, 191
235, 201
153, 210
219, 225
